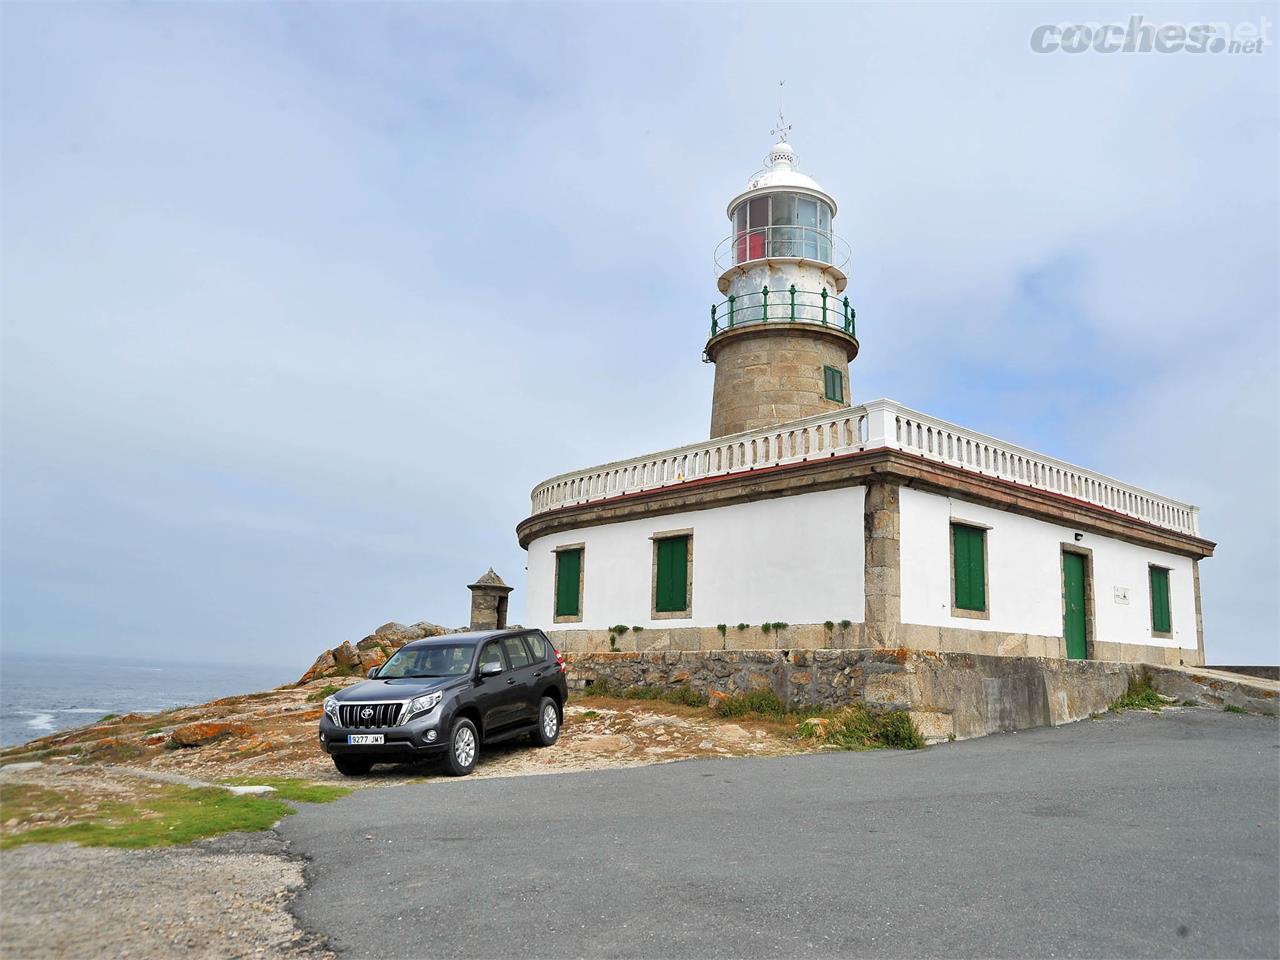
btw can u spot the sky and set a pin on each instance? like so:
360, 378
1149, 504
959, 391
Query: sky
301, 300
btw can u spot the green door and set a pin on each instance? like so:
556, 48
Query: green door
1073, 625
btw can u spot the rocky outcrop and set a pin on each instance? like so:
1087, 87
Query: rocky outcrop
199, 734
348, 659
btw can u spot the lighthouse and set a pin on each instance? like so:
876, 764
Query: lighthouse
809, 522
784, 334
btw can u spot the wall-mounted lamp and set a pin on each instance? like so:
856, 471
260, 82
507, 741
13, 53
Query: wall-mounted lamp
1079, 537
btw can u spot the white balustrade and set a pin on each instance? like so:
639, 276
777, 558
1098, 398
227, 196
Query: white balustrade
878, 424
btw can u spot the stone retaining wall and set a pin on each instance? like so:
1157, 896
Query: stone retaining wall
853, 636
957, 695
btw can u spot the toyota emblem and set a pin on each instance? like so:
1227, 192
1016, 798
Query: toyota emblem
366, 713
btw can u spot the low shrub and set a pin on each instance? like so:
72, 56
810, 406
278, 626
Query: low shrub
1232, 708
1139, 694
323, 692
856, 728
760, 702
685, 694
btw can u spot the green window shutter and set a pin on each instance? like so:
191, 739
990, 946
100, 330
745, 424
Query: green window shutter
833, 384
672, 588
568, 579
1161, 621
969, 551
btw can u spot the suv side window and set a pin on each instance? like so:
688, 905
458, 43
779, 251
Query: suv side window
516, 652
492, 653
537, 646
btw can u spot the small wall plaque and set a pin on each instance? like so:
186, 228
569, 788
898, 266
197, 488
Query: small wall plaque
1122, 595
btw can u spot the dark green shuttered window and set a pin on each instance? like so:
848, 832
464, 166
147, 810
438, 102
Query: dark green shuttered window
672, 587
1161, 621
969, 553
568, 579
833, 380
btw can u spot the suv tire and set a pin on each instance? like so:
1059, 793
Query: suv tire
464, 748
352, 766
548, 730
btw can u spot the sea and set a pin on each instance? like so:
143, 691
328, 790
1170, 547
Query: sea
43, 693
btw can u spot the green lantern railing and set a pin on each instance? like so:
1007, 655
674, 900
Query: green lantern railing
788, 306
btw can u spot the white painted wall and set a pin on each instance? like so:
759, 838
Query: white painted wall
1024, 571
795, 559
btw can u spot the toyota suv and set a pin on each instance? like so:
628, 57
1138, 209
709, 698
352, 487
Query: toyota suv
445, 696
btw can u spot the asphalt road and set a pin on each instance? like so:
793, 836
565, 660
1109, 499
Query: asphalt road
1133, 836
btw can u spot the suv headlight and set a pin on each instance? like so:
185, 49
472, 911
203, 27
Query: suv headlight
428, 701
331, 710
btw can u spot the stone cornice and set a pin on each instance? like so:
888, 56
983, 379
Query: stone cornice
856, 469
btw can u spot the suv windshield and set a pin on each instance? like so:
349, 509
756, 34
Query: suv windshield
437, 660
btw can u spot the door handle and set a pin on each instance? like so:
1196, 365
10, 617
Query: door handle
538, 673
511, 682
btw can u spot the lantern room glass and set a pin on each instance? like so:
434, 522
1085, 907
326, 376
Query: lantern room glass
782, 225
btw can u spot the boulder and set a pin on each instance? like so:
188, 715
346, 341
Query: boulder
323, 667
372, 651
199, 734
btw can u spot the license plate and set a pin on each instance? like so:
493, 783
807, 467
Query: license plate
356, 738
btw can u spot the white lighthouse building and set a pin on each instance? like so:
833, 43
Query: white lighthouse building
808, 521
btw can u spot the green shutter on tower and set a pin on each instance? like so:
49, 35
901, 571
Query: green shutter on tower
833, 384
568, 580
969, 552
1161, 622
672, 588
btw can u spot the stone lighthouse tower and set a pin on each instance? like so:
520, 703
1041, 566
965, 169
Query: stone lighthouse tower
783, 337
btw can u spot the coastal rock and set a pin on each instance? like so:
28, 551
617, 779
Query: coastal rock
374, 650
199, 734
323, 667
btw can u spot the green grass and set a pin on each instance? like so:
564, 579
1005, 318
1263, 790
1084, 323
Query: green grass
685, 695
761, 703
174, 815
327, 690
856, 728
589, 714
295, 789
1138, 695
1232, 708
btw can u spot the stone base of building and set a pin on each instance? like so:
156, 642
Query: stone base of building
855, 636
948, 695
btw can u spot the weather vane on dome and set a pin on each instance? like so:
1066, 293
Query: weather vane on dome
782, 129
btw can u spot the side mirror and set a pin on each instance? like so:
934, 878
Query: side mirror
373, 672
490, 669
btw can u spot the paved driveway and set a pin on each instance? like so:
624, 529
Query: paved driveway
1132, 836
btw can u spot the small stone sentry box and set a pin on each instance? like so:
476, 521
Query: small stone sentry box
489, 602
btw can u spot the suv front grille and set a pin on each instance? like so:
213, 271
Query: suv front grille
369, 714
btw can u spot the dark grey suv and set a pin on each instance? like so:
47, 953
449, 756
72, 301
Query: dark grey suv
445, 696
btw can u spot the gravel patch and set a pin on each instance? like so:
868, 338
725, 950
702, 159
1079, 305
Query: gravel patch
226, 897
